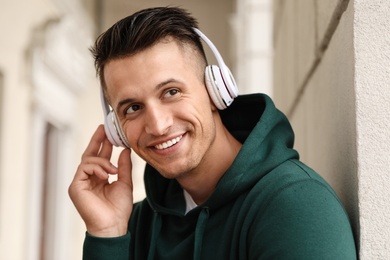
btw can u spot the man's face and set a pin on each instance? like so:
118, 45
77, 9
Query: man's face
163, 107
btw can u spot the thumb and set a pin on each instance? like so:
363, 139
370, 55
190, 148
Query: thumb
124, 167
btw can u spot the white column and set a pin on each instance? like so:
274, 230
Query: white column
372, 86
252, 30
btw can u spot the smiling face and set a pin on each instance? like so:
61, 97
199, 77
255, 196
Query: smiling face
163, 107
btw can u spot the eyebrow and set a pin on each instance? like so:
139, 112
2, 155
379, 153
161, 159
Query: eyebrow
158, 86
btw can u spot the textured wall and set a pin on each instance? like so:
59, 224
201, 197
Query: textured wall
372, 87
331, 75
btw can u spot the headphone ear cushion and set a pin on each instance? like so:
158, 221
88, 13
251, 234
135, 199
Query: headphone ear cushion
113, 132
212, 87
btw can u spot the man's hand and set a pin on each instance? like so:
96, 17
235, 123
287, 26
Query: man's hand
105, 208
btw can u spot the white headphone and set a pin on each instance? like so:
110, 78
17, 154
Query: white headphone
220, 85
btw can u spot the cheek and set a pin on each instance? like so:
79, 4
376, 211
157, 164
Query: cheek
200, 118
132, 131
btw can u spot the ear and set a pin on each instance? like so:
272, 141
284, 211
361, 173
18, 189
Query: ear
212, 105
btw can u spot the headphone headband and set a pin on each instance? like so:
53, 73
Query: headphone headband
228, 89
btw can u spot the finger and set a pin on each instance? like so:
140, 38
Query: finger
95, 143
106, 150
102, 162
124, 167
85, 171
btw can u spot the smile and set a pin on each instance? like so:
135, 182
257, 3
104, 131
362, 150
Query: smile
168, 144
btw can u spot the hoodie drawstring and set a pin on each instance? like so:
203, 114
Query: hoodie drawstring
199, 232
156, 228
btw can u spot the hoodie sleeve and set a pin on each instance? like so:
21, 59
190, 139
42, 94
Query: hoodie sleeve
302, 220
98, 248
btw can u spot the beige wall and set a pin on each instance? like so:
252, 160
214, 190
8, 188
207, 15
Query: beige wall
331, 79
15, 25
316, 90
46, 74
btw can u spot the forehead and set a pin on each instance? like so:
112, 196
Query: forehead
166, 59
164, 53
167, 49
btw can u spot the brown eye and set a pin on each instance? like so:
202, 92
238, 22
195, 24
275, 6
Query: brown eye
132, 109
171, 92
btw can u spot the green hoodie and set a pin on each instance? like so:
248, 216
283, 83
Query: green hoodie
268, 205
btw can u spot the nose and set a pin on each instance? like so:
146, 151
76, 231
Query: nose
158, 120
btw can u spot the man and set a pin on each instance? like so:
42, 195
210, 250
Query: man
220, 184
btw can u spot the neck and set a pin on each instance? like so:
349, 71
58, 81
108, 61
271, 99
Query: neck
201, 182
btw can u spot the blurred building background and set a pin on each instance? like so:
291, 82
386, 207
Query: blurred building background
325, 63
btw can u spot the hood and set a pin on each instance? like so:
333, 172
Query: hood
267, 139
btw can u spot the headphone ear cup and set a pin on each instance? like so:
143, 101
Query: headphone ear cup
110, 129
220, 78
114, 132
212, 87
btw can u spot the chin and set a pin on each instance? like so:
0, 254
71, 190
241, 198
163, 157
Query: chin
174, 172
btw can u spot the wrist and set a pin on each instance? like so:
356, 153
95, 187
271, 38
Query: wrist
107, 232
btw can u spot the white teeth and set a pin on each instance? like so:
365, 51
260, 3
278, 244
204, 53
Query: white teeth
168, 143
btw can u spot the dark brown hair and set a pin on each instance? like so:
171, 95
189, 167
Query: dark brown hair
142, 30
